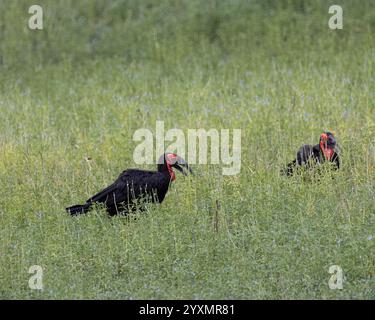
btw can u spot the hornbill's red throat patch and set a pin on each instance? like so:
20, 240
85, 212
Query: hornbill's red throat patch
173, 160
327, 144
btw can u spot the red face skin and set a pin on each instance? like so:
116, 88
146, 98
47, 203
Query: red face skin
327, 151
171, 159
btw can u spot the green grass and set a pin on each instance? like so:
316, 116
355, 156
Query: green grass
81, 87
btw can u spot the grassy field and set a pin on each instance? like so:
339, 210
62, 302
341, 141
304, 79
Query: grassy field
99, 70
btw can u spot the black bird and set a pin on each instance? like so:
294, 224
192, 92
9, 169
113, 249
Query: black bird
308, 155
134, 184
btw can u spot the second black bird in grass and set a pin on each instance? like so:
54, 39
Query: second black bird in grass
309, 155
134, 184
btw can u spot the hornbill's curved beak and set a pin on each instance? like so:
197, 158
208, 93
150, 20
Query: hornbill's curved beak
181, 165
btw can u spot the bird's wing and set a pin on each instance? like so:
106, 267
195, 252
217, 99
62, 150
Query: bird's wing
142, 180
304, 154
130, 184
102, 195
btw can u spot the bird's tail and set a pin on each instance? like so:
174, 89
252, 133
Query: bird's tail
78, 209
288, 171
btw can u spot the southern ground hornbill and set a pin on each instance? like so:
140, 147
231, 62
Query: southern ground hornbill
308, 155
134, 185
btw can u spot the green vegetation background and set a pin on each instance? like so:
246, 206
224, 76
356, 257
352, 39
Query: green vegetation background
99, 70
